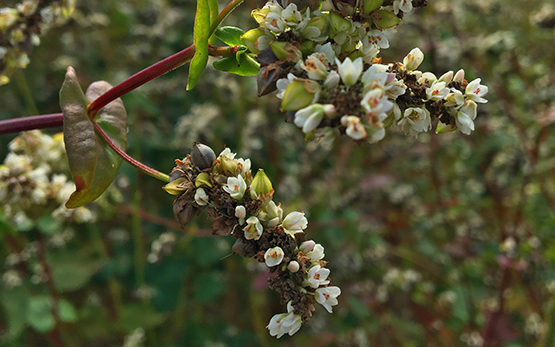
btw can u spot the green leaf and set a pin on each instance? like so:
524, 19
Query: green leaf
67, 312
230, 35
201, 34
15, 307
49, 225
92, 163
39, 313
246, 67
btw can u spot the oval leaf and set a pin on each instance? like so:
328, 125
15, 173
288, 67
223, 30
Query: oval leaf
247, 67
201, 34
230, 35
92, 163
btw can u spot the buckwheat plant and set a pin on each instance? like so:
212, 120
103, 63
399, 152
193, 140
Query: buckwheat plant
322, 58
242, 206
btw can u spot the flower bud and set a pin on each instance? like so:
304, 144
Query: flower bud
307, 246
318, 23
202, 156
259, 15
386, 20
371, 5
240, 211
459, 76
227, 166
299, 94
446, 77
175, 187
293, 266
250, 39
286, 51
413, 60
260, 185
203, 179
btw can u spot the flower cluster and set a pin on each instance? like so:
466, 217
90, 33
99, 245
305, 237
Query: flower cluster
21, 27
32, 182
325, 68
242, 205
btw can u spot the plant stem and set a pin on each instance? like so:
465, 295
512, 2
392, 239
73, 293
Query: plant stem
29, 123
156, 70
146, 169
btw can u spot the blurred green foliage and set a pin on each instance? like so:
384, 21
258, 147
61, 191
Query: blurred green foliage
438, 241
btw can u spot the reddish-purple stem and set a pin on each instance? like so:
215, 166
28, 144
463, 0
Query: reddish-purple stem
16, 125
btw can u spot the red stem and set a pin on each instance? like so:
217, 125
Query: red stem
146, 169
141, 78
29, 123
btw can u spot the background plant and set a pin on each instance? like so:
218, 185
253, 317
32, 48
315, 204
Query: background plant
422, 205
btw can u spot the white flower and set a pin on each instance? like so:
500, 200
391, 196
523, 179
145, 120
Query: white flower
285, 323
317, 253
201, 198
415, 121
271, 214
349, 70
331, 81
245, 166
226, 153
295, 222
403, 5
455, 98
325, 136
376, 37
309, 118
274, 23
316, 66
291, 15
236, 187
465, 116
377, 136
355, 129
327, 50
374, 102
327, 296
437, 91
413, 60
475, 91
254, 229
317, 276
274, 256
241, 213
426, 77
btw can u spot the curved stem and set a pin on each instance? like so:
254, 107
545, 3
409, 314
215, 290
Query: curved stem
15, 125
146, 169
156, 70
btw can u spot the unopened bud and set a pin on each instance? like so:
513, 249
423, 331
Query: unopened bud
446, 77
299, 94
202, 156
286, 51
250, 39
260, 185
293, 266
307, 246
459, 76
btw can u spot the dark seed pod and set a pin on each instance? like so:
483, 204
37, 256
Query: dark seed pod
267, 78
203, 156
183, 213
267, 57
290, 117
242, 249
175, 174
